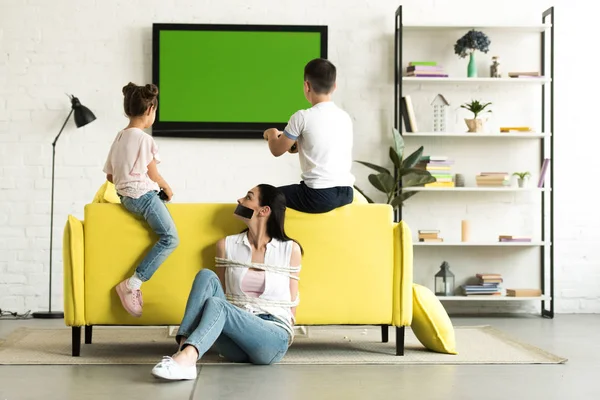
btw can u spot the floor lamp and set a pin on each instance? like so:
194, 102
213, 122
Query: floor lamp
83, 116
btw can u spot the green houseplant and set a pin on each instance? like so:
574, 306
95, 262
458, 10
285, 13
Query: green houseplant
475, 124
403, 175
523, 178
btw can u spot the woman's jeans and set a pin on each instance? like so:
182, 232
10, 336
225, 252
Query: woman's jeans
155, 212
238, 335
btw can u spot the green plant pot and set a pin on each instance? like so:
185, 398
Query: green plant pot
472, 68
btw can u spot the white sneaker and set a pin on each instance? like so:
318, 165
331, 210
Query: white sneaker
170, 370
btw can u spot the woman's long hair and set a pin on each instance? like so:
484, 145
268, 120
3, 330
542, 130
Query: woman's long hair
272, 197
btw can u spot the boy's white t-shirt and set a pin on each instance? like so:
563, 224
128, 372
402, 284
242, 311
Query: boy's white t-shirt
128, 159
325, 139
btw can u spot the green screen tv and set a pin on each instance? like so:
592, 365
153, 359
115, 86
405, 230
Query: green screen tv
230, 81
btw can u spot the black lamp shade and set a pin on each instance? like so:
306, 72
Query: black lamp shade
83, 115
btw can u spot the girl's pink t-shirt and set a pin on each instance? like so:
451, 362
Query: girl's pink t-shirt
128, 159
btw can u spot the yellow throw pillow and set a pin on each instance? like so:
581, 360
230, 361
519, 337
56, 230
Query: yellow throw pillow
99, 196
106, 194
431, 323
110, 195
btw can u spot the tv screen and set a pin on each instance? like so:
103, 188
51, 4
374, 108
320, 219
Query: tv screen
230, 81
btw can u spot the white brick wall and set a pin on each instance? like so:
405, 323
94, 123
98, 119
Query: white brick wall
92, 48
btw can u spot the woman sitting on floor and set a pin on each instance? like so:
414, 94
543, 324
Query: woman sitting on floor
252, 321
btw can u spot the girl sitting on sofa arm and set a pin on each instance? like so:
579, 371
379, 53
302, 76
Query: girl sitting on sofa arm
252, 319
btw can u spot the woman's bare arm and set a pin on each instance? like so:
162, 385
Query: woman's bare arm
295, 261
221, 254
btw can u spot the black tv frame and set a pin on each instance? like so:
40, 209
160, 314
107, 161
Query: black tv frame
219, 130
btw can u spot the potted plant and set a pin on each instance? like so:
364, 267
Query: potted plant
403, 175
468, 44
523, 178
475, 124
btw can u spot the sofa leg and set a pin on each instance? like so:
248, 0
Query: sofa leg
88, 334
399, 340
384, 333
76, 340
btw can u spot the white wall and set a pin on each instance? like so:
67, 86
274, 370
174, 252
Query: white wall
92, 48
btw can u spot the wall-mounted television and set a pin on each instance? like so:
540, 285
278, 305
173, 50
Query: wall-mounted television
230, 81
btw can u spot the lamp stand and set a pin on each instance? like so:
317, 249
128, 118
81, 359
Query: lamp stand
52, 314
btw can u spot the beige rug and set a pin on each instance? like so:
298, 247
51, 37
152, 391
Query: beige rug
322, 345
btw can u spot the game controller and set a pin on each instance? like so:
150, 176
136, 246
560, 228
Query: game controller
162, 195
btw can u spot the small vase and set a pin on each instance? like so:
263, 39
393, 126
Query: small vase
474, 125
472, 68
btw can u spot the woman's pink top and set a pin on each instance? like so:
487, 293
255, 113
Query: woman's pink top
253, 283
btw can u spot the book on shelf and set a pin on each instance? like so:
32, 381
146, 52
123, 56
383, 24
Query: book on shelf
488, 285
523, 292
440, 167
492, 179
425, 69
510, 238
408, 114
429, 236
543, 172
532, 74
506, 129
426, 231
440, 184
422, 63
426, 75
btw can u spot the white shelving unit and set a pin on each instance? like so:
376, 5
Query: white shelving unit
507, 135
481, 244
492, 298
513, 28
447, 140
473, 81
475, 189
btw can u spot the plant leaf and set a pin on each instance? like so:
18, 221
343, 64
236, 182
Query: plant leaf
417, 171
395, 159
383, 182
375, 167
398, 143
413, 159
398, 200
363, 193
416, 180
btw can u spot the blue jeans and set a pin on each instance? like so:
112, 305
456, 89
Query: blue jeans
316, 201
155, 212
238, 335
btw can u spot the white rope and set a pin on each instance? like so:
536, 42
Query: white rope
242, 300
227, 263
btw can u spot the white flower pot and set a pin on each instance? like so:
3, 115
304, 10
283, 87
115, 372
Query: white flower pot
523, 182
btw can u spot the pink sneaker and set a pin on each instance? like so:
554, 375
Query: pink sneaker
131, 299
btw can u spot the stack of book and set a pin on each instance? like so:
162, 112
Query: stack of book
431, 235
489, 285
440, 167
493, 179
510, 238
425, 69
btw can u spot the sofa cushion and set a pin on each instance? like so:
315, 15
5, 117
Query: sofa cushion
431, 323
106, 194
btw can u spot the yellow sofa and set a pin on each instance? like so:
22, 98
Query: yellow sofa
357, 267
